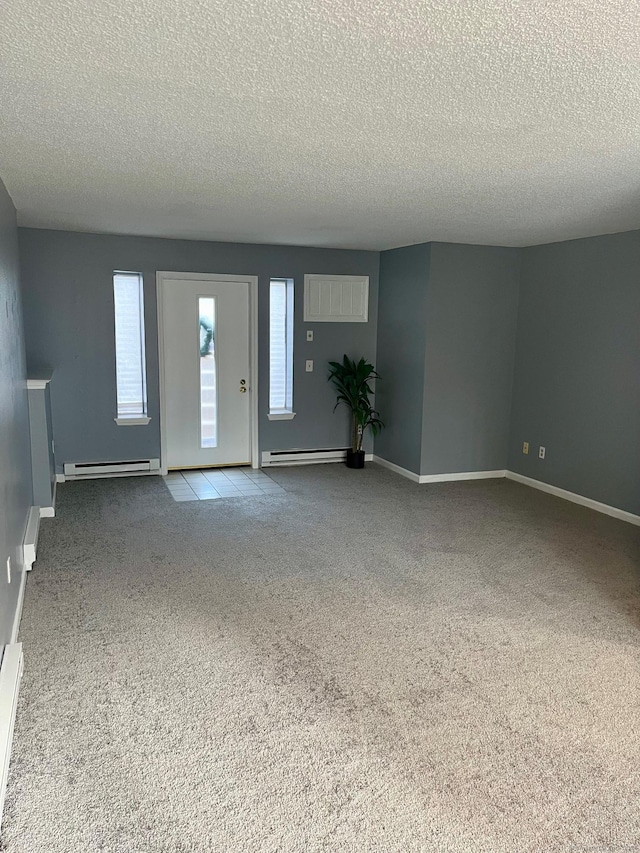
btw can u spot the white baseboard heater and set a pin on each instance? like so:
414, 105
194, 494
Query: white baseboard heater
10, 675
94, 470
304, 457
30, 541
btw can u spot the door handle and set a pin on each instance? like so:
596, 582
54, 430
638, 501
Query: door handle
243, 386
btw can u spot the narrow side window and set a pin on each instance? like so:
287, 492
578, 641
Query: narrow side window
131, 377
281, 347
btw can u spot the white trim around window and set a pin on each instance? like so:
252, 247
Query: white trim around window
133, 421
281, 416
131, 367
281, 349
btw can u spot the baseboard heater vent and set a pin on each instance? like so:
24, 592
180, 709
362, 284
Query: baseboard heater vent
10, 675
93, 470
304, 457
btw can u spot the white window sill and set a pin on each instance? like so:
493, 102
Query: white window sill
281, 416
134, 420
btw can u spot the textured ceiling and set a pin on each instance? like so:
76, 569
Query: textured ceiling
356, 123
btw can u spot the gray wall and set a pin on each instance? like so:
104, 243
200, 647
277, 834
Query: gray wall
68, 299
446, 344
577, 377
445, 351
15, 463
471, 313
404, 279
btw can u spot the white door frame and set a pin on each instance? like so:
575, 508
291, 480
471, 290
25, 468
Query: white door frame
252, 281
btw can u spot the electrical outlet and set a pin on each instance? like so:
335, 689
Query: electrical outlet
309, 334
8, 569
525, 447
309, 365
541, 452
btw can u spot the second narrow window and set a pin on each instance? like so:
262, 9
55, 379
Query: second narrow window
131, 382
281, 346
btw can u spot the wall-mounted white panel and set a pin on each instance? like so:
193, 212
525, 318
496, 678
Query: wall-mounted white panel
336, 298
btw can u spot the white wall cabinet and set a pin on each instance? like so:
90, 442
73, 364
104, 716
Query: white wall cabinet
336, 298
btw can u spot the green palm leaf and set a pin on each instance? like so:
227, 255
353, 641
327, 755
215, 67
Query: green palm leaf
352, 381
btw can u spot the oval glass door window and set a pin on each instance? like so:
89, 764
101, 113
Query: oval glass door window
208, 372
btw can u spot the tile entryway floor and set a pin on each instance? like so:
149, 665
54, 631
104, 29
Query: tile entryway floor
215, 483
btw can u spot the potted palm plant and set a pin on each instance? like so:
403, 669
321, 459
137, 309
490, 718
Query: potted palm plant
352, 382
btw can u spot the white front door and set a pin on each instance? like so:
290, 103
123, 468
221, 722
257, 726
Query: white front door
205, 372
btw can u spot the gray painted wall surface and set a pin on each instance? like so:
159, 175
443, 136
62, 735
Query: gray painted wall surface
471, 313
404, 280
445, 350
68, 299
577, 376
15, 463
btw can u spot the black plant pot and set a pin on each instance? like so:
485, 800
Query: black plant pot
355, 458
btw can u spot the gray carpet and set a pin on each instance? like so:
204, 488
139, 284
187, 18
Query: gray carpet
361, 664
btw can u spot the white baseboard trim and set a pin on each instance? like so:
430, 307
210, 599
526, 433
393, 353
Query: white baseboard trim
439, 478
10, 675
463, 475
613, 511
404, 472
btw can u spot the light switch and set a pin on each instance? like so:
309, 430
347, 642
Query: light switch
309, 365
